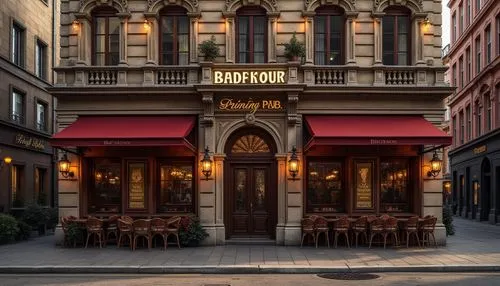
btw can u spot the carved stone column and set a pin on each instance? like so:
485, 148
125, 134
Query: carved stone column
84, 34
123, 37
309, 39
219, 199
272, 32
418, 44
282, 202
350, 38
377, 38
230, 36
152, 35
193, 31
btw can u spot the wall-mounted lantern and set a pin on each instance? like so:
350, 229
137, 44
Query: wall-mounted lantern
436, 164
64, 167
293, 164
206, 164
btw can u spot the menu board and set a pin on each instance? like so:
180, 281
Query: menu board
136, 185
364, 185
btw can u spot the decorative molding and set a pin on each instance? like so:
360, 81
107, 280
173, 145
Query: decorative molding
312, 5
250, 144
416, 6
192, 6
233, 5
86, 6
208, 109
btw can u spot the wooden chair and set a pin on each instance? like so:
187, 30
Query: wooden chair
321, 226
142, 229
112, 228
173, 226
159, 227
127, 219
94, 228
360, 226
411, 227
391, 227
427, 229
376, 227
307, 226
342, 227
126, 229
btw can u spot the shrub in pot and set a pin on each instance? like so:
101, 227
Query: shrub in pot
8, 228
191, 232
52, 218
448, 220
209, 49
75, 233
294, 49
24, 230
36, 217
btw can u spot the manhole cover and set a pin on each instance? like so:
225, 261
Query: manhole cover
349, 276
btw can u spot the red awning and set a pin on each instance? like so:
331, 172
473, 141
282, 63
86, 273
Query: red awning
126, 131
373, 130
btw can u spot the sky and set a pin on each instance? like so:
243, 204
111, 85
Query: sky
445, 27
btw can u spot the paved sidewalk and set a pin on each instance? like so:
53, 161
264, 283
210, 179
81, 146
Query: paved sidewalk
474, 247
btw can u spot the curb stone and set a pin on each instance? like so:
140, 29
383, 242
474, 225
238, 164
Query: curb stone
241, 269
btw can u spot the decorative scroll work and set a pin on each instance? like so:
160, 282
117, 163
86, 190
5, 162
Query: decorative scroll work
416, 6
269, 5
87, 5
250, 144
347, 5
190, 5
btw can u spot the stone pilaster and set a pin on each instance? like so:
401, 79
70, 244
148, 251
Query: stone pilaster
123, 37
281, 195
193, 31
309, 35
272, 32
230, 36
350, 38
152, 35
418, 44
219, 199
377, 37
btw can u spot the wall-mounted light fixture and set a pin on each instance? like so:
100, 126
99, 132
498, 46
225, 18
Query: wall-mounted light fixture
436, 164
147, 25
206, 164
76, 25
293, 164
5, 161
64, 167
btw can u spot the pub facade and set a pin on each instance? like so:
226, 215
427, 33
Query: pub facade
250, 142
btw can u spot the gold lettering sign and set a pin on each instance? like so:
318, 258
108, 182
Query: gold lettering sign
249, 77
250, 105
29, 142
136, 183
479, 149
364, 186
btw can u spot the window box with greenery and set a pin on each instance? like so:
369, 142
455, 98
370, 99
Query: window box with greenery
295, 50
209, 49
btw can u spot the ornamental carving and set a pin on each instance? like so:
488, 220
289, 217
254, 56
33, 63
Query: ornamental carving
269, 5
88, 5
156, 5
414, 5
250, 144
347, 5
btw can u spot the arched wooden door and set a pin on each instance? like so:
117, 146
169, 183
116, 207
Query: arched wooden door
250, 184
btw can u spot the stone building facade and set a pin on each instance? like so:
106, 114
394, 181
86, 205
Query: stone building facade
475, 124
28, 35
149, 105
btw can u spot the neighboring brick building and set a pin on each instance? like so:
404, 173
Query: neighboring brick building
137, 106
28, 33
474, 59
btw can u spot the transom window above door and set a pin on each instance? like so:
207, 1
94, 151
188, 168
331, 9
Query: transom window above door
174, 36
250, 144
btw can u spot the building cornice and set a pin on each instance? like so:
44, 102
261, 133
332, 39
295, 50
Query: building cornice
473, 142
23, 74
476, 21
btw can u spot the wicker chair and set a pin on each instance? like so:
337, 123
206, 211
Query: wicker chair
65, 223
321, 226
307, 225
127, 219
112, 228
411, 227
173, 226
376, 227
391, 227
427, 228
142, 229
360, 226
94, 228
126, 229
159, 227
342, 227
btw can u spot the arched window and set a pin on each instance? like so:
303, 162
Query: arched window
329, 27
105, 37
174, 36
251, 35
396, 34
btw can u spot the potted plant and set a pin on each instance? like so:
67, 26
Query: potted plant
294, 49
36, 217
209, 49
191, 233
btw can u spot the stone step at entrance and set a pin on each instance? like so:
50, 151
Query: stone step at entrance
250, 240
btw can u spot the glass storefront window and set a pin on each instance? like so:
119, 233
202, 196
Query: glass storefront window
176, 188
106, 195
325, 188
394, 185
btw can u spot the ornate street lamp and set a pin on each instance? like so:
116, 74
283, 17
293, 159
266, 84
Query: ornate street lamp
206, 164
64, 165
436, 164
293, 164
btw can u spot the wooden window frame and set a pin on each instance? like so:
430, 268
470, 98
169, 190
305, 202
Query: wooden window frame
460, 20
41, 61
20, 46
175, 161
461, 123
106, 13
251, 12
329, 12
397, 13
21, 92
461, 71
412, 174
477, 47
479, 118
46, 105
175, 12
454, 27
468, 60
468, 114
487, 45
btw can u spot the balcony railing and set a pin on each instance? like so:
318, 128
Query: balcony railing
102, 77
399, 77
325, 75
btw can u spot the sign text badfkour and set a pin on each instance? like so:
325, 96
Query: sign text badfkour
249, 77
